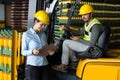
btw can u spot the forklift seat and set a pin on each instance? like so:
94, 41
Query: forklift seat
100, 49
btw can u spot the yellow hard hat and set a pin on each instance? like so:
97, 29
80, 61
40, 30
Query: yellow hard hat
42, 16
85, 9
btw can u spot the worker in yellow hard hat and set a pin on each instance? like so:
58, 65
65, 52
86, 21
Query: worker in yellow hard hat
91, 31
33, 41
42, 16
85, 9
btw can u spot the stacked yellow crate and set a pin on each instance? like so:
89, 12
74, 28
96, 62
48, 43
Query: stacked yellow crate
5, 53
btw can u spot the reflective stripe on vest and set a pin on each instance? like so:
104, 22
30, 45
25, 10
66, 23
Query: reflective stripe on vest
87, 32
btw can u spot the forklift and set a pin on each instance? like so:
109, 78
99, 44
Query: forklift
65, 12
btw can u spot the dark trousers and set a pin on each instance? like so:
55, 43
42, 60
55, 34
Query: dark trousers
36, 72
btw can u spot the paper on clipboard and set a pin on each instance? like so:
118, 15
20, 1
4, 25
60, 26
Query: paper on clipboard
44, 50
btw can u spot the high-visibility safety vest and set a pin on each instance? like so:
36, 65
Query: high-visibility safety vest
87, 32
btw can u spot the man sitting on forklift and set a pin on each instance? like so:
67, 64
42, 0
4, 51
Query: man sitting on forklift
91, 32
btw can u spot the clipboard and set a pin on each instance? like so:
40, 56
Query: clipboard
44, 50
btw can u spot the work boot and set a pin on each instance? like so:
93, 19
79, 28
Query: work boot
61, 68
73, 65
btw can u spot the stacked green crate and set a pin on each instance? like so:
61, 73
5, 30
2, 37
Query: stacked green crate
62, 11
5, 52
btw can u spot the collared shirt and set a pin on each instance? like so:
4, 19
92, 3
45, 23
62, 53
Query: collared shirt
32, 40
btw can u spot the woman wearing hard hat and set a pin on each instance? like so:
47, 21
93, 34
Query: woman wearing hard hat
32, 41
91, 31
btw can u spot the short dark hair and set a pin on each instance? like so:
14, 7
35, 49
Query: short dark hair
35, 19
